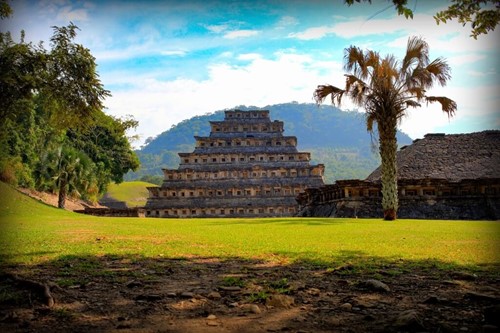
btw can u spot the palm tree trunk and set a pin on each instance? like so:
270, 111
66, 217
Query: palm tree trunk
61, 203
388, 148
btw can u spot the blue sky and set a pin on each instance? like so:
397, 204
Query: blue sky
166, 61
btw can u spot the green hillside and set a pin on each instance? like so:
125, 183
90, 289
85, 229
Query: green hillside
14, 204
334, 137
133, 193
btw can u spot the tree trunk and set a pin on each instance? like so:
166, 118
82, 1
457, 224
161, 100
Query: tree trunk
388, 148
61, 203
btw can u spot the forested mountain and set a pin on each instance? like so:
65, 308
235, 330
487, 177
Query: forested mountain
335, 138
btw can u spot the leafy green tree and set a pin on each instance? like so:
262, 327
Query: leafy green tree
20, 67
73, 93
400, 5
483, 15
52, 99
386, 88
19, 63
106, 143
5, 9
65, 78
17, 141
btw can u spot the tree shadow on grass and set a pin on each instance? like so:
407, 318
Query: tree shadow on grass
281, 221
213, 294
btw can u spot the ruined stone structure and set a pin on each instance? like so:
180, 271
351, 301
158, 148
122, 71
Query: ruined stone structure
439, 177
246, 167
115, 212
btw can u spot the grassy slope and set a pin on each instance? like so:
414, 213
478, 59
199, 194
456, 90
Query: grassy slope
134, 193
32, 233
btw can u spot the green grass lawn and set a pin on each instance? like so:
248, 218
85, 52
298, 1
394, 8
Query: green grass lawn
33, 233
132, 193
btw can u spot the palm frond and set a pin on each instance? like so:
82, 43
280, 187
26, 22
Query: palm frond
448, 106
352, 80
387, 73
439, 70
390, 64
412, 103
353, 55
322, 91
354, 61
417, 92
371, 63
417, 52
372, 59
417, 78
370, 120
357, 93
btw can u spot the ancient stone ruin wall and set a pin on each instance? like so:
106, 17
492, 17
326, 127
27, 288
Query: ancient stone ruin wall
474, 199
115, 212
454, 176
246, 167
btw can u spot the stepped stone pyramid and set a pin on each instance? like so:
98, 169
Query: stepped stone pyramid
246, 167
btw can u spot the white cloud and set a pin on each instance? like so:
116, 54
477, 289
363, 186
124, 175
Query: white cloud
356, 27
249, 56
478, 102
450, 37
180, 53
226, 54
465, 59
158, 105
362, 27
125, 53
313, 33
421, 24
482, 74
286, 21
217, 28
67, 13
51, 7
247, 77
144, 48
240, 34
292, 75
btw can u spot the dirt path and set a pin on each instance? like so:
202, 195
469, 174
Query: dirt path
107, 294
52, 199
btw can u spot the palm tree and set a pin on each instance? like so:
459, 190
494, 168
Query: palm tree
71, 172
68, 171
386, 88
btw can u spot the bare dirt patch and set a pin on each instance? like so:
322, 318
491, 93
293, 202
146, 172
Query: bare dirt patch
51, 199
127, 294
